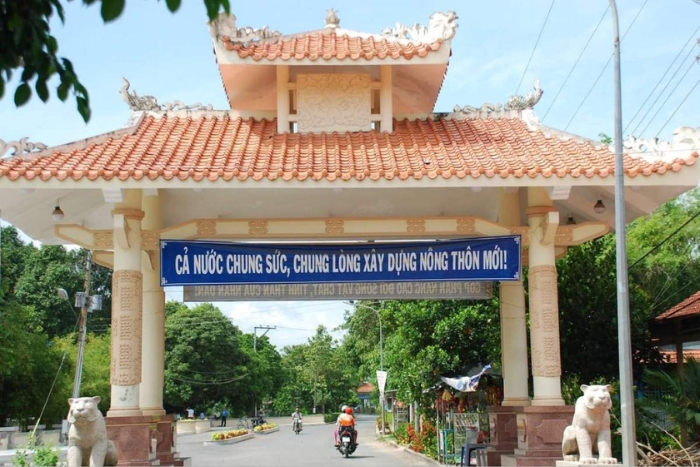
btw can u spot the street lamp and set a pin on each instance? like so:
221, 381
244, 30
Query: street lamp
381, 349
629, 445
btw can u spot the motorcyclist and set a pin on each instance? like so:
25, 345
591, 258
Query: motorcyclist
296, 418
346, 419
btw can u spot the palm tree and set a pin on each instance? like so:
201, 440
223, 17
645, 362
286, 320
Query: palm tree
678, 398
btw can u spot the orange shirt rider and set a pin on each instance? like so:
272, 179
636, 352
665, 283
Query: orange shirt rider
346, 419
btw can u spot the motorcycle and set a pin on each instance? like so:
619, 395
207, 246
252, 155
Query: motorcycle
296, 426
346, 446
259, 420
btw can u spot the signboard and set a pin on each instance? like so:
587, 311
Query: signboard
212, 263
381, 381
455, 290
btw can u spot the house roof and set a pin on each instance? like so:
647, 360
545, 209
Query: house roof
365, 388
326, 44
685, 309
670, 355
216, 145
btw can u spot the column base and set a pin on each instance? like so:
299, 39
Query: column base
127, 412
143, 440
540, 434
547, 401
156, 411
516, 402
503, 431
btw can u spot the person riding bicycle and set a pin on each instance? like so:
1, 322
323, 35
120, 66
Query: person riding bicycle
346, 421
296, 419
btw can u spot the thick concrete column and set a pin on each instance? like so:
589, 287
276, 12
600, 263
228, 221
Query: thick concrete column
127, 309
513, 324
282, 98
386, 103
544, 307
153, 359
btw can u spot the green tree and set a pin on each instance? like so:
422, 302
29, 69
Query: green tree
95, 379
204, 361
30, 367
13, 257
263, 369
47, 269
26, 43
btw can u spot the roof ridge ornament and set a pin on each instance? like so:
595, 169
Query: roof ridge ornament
224, 28
21, 147
685, 138
514, 107
442, 26
150, 103
517, 102
332, 19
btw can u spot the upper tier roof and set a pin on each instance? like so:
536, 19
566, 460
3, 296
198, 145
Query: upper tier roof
331, 42
326, 44
217, 145
248, 58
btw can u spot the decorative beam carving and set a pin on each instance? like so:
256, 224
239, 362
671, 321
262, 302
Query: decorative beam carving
332, 228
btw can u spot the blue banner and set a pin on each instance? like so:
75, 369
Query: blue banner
213, 263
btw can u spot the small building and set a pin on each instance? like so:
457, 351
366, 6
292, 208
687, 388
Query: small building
364, 393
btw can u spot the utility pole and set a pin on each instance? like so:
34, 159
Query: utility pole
83, 300
629, 445
255, 335
255, 349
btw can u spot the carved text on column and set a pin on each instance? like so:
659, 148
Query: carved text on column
127, 288
544, 321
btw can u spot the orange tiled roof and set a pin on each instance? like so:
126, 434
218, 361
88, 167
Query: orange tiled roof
688, 307
219, 146
670, 355
326, 44
365, 388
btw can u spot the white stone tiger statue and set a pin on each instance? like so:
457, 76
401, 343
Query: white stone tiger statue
589, 432
87, 436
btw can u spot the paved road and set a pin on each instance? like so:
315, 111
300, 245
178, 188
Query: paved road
313, 447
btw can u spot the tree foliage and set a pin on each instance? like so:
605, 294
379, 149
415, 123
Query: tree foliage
204, 359
317, 375
27, 44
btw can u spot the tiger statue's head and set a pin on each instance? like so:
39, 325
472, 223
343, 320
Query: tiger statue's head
83, 410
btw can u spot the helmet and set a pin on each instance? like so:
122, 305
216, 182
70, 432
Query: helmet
348, 411
343, 409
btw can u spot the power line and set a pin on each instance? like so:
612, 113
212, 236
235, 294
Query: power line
679, 106
604, 67
669, 95
665, 240
680, 65
660, 80
576, 63
535, 47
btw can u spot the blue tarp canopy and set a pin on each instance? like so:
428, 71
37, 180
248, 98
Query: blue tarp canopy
465, 383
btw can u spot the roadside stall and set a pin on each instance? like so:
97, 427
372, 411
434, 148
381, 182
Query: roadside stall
461, 404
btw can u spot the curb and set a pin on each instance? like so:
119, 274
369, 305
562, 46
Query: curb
409, 450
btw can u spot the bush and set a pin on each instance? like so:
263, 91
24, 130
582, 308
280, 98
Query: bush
265, 426
219, 436
331, 417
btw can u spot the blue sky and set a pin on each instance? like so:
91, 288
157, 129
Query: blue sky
170, 56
